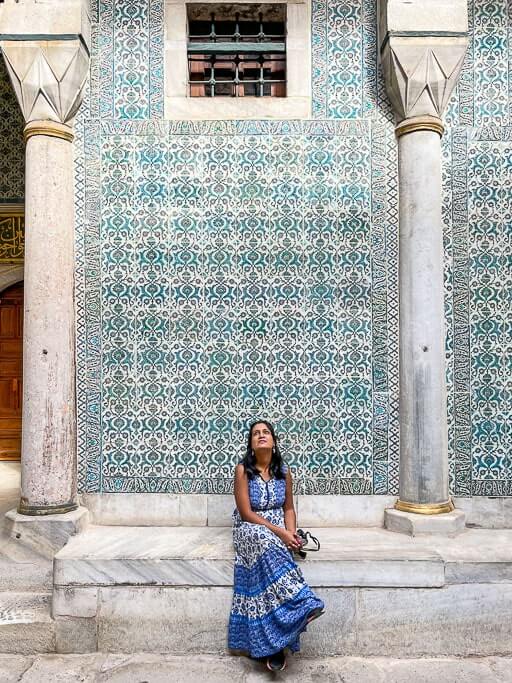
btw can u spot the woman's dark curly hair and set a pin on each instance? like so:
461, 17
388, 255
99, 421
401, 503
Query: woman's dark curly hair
249, 461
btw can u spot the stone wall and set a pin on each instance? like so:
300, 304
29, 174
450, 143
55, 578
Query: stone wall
227, 270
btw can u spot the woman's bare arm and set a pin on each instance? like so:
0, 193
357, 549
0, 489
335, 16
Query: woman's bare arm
290, 519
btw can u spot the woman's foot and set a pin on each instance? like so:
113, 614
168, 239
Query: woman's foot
277, 661
314, 614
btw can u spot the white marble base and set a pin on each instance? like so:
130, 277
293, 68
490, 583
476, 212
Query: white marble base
204, 557
161, 509
388, 622
486, 513
147, 509
45, 534
447, 524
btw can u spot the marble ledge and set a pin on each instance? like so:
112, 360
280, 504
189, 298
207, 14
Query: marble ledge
419, 573
161, 509
203, 556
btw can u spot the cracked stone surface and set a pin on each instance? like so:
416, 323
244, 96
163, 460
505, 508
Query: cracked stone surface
149, 668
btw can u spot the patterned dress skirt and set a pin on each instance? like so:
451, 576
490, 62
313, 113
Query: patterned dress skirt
271, 600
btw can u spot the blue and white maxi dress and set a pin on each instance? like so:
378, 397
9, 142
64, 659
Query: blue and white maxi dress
271, 600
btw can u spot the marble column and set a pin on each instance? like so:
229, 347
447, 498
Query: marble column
422, 51
423, 412
48, 78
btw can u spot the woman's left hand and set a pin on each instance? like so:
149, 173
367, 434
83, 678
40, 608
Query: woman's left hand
289, 539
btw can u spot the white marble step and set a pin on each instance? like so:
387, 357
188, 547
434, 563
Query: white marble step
129, 589
23, 568
203, 556
26, 625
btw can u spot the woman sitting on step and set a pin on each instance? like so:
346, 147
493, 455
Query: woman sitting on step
272, 604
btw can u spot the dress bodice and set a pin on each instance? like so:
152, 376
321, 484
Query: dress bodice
266, 495
266, 498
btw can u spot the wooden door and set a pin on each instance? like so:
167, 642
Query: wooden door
11, 357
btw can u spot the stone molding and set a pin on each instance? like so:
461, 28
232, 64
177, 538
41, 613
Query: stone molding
50, 128
45, 20
419, 123
446, 16
48, 77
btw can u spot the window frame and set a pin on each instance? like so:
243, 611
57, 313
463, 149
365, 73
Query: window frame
295, 105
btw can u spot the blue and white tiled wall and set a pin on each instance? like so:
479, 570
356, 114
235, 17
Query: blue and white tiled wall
233, 269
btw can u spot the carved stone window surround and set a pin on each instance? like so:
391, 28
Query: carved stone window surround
297, 103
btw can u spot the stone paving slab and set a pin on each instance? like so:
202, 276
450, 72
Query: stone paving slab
146, 668
26, 626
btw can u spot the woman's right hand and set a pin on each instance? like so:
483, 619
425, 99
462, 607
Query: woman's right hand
289, 539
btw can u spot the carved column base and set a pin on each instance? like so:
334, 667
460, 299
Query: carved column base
42, 510
412, 524
48, 534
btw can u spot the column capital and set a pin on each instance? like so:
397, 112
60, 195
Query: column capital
422, 49
46, 51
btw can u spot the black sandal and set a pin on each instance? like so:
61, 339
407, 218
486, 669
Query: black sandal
277, 661
314, 614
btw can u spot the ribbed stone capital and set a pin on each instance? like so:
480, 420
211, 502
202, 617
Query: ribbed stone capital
48, 77
422, 48
45, 47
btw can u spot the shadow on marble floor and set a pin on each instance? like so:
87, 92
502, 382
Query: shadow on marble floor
10, 474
